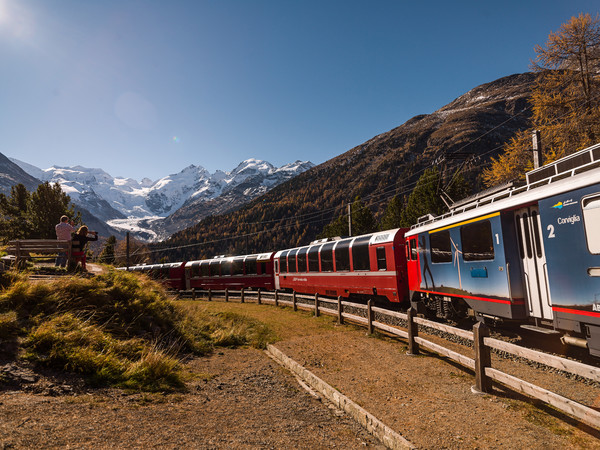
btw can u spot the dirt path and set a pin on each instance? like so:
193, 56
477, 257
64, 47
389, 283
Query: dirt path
242, 399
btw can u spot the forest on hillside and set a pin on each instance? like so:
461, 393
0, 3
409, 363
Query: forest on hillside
463, 147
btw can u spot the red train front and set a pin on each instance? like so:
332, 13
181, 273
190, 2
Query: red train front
373, 265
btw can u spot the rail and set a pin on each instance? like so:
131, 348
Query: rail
481, 362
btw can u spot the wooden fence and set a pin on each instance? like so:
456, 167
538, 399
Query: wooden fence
481, 362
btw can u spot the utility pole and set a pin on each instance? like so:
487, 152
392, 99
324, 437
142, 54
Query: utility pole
127, 251
349, 220
538, 158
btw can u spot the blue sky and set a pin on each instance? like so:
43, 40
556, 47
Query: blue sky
144, 88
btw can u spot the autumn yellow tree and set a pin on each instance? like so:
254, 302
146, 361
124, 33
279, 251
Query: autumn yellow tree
565, 100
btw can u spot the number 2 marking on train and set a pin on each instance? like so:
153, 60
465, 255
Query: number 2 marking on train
551, 232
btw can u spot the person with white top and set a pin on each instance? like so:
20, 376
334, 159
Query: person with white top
63, 233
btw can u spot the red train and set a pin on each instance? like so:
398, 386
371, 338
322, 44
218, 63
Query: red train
524, 253
373, 265
234, 272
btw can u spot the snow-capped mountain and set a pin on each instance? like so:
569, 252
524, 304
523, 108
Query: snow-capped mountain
127, 204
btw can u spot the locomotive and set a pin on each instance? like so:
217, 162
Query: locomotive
527, 254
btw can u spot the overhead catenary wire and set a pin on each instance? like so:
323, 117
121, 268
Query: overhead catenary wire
382, 195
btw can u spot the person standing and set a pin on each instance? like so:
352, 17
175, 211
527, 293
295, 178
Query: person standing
63, 233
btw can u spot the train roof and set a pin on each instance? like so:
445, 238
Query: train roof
379, 237
260, 257
572, 172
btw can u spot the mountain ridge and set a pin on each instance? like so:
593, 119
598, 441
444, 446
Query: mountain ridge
128, 205
466, 132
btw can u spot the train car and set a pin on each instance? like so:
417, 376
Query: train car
373, 265
527, 253
170, 274
232, 272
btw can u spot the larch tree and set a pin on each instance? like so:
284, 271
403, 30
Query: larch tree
565, 100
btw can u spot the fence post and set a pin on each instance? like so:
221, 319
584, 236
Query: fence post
226, 294
317, 304
193, 293
258, 298
340, 312
369, 316
18, 254
210, 295
295, 306
242, 296
276, 297
483, 357
413, 332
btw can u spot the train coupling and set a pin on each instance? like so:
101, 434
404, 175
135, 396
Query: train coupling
574, 341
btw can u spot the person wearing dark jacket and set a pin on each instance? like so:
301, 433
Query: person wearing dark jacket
79, 241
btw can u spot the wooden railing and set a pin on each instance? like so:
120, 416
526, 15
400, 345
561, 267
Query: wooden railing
481, 362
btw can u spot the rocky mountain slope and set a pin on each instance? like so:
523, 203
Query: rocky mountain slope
11, 174
468, 131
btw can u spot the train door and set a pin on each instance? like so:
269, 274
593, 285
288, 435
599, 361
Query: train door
531, 248
412, 264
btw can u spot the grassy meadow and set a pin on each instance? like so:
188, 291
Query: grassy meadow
117, 329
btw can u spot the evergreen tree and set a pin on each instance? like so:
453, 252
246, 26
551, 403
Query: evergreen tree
363, 222
13, 209
424, 198
107, 256
392, 218
44, 209
565, 100
339, 227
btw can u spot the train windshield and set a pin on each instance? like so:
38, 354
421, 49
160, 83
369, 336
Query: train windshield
591, 220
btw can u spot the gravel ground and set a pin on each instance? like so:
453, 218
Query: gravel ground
242, 399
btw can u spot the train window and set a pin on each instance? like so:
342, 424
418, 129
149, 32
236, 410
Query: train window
204, 269
251, 265
441, 249
327, 257
215, 268
165, 272
292, 260
262, 266
477, 241
276, 266
527, 236
313, 259
520, 237
302, 259
381, 261
283, 261
591, 222
237, 266
342, 256
226, 267
360, 253
413, 249
536, 234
